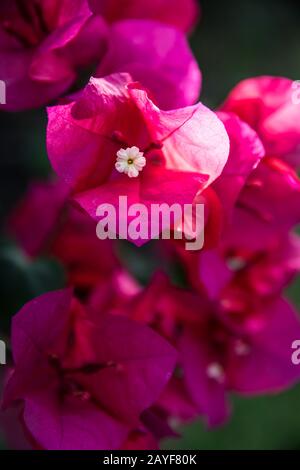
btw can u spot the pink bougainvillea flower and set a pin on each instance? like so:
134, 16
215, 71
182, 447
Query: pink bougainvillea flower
162, 306
114, 293
243, 281
175, 402
156, 55
261, 271
10, 423
42, 43
44, 223
247, 281
200, 269
153, 305
166, 309
36, 217
185, 149
236, 326
84, 383
182, 14
88, 261
266, 273
246, 151
140, 440
156, 421
217, 360
268, 206
271, 106
222, 329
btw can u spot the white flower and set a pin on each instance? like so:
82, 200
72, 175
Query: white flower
216, 372
130, 161
241, 348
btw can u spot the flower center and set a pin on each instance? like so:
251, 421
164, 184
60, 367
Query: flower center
130, 161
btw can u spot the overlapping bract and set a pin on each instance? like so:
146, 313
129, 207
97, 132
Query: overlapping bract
94, 365
84, 382
180, 13
45, 44
185, 149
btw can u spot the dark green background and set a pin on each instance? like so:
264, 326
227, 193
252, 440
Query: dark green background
236, 39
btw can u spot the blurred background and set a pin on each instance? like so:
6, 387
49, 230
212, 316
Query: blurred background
234, 40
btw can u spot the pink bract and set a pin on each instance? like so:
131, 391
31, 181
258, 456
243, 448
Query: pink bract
45, 223
216, 360
268, 206
185, 149
42, 44
79, 392
269, 105
156, 55
246, 151
182, 14
36, 217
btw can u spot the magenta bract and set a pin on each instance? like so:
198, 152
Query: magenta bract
84, 383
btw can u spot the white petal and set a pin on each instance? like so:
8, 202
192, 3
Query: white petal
132, 171
140, 162
215, 371
134, 151
121, 167
122, 155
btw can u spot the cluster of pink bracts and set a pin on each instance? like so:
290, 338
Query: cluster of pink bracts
107, 363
